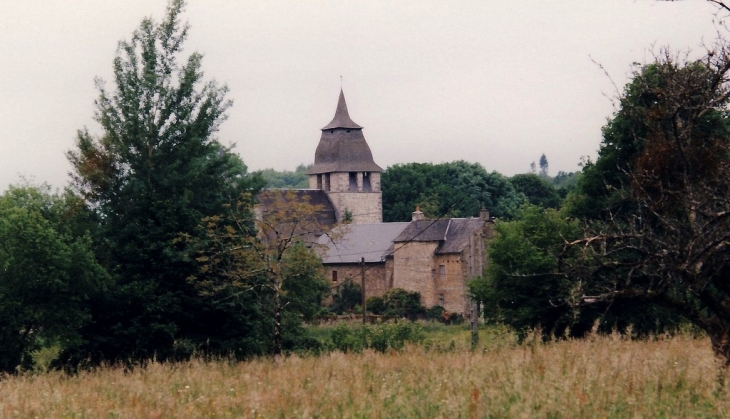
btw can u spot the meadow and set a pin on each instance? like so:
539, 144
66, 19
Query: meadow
440, 377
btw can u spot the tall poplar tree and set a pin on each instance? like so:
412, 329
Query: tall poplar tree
152, 174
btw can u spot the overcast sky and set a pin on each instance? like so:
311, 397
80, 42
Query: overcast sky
493, 82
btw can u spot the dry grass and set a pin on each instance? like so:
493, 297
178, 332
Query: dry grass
598, 377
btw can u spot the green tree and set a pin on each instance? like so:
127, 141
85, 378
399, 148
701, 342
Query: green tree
565, 182
523, 285
47, 273
598, 190
544, 166
154, 172
304, 283
346, 297
298, 179
526, 286
664, 177
456, 189
267, 257
538, 191
398, 302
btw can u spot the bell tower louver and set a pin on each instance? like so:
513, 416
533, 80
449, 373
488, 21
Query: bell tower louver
344, 168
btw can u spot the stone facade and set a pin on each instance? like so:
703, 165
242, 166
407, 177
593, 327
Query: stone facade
344, 169
413, 265
376, 276
355, 192
441, 278
434, 258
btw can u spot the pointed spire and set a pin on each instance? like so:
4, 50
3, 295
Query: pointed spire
342, 117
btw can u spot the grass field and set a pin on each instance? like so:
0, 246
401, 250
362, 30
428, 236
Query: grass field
593, 378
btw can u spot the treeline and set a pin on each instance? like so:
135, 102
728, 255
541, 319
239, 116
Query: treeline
461, 189
298, 179
454, 189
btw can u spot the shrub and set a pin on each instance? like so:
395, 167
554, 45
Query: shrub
379, 338
346, 297
398, 303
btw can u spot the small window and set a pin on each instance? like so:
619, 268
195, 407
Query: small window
334, 276
366, 186
433, 273
353, 182
348, 130
442, 299
442, 271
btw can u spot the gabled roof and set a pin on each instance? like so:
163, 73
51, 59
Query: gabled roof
452, 233
424, 231
342, 117
459, 233
350, 242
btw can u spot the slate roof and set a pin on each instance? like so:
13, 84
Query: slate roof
355, 241
342, 116
452, 233
424, 231
458, 234
326, 216
342, 146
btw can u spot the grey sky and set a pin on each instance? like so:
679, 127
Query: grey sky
493, 82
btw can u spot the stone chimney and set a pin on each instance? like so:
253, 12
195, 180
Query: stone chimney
417, 214
484, 214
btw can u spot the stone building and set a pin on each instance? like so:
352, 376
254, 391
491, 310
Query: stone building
344, 169
357, 245
436, 258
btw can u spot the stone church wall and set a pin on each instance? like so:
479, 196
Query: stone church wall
413, 265
366, 208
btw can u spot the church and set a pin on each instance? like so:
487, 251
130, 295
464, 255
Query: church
436, 258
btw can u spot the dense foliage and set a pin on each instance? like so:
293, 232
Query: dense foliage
523, 286
48, 273
397, 303
537, 190
456, 189
298, 179
657, 200
380, 338
154, 172
526, 287
273, 269
346, 297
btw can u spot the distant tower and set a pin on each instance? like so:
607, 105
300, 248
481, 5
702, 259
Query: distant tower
345, 170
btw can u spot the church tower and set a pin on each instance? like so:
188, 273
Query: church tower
344, 169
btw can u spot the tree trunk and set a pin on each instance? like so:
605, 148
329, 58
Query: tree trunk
277, 321
720, 339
